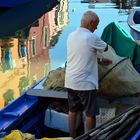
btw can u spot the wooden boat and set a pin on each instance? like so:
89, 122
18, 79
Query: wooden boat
134, 22
40, 112
6, 5
27, 114
29, 13
37, 111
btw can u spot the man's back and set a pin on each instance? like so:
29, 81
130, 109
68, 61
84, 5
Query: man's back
81, 71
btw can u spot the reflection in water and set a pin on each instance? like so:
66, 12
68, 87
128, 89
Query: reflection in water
27, 60
54, 39
126, 4
41, 46
28, 13
6, 43
8, 96
6, 57
23, 84
22, 44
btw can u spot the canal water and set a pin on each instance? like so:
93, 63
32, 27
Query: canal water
42, 47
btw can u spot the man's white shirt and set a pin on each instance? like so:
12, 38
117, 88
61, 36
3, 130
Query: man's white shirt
82, 67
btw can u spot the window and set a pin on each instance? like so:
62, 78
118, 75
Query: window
33, 46
45, 36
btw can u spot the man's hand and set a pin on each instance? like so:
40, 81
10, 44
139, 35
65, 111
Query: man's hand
104, 61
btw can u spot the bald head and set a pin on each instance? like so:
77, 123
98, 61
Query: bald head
89, 20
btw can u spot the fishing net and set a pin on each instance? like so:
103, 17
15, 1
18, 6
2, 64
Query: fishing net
117, 79
55, 80
120, 78
105, 114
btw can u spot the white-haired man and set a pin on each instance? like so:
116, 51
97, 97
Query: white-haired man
81, 79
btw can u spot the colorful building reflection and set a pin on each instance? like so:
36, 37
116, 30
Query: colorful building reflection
24, 60
12, 68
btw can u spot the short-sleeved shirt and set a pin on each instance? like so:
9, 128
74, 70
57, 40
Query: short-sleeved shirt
82, 67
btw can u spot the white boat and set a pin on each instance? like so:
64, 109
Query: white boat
134, 22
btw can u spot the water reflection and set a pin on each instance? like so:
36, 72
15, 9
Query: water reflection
22, 44
25, 57
23, 84
8, 96
41, 46
12, 68
28, 13
6, 60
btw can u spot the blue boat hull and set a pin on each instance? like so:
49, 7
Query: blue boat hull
27, 114
24, 15
16, 112
32, 113
12, 3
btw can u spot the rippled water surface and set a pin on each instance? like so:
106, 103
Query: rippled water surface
41, 47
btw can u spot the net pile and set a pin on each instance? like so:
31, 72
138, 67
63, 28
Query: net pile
55, 80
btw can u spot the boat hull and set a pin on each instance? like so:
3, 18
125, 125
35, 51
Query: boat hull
28, 12
134, 23
12, 3
36, 114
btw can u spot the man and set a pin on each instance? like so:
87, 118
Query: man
81, 79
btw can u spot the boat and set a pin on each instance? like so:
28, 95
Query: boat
134, 22
43, 114
13, 3
27, 113
29, 13
6, 5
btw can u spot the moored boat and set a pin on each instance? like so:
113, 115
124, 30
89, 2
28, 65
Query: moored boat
43, 114
6, 5
38, 115
12, 3
37, 111
134, 22
29, 13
